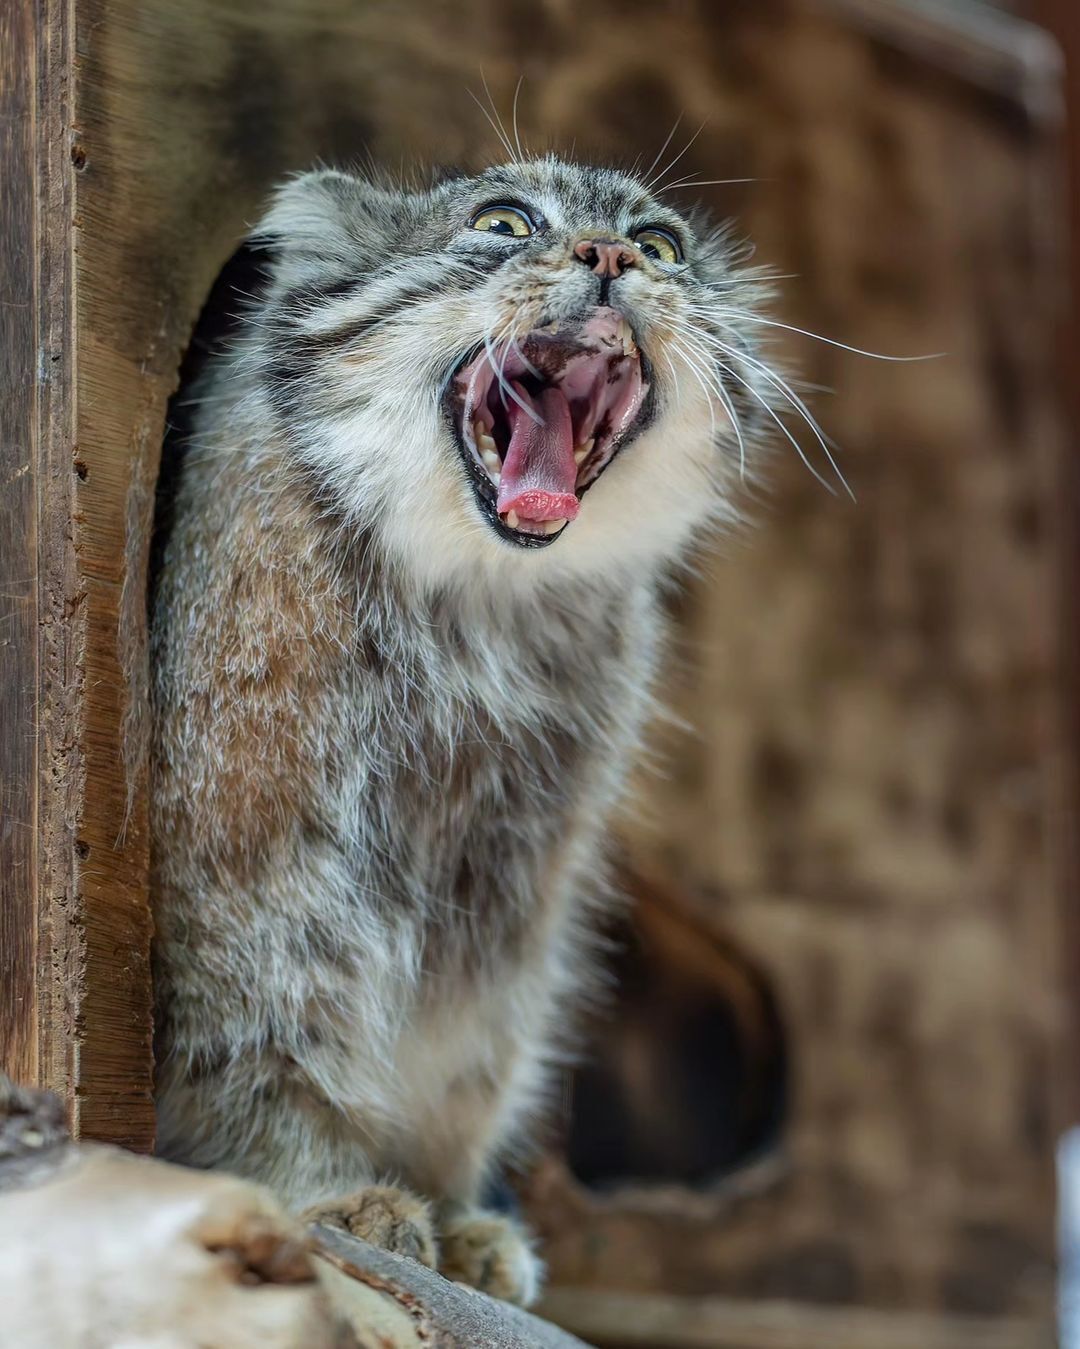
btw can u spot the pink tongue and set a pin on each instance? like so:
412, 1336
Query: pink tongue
539, 473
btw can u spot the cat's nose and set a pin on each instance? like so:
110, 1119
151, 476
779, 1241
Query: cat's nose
605, 257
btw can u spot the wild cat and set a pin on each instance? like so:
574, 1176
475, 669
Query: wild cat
403, 641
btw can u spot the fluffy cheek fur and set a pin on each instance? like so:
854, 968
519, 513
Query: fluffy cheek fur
394, 458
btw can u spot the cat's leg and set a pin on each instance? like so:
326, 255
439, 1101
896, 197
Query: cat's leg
253, 1117
449, 1156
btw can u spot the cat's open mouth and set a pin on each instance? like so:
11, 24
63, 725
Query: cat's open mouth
540, 418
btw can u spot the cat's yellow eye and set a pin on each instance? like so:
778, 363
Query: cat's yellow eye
659, 245
506, 220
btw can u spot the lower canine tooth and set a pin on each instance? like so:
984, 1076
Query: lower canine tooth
512, 519
583, 451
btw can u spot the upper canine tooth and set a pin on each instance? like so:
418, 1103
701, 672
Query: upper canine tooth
582, 452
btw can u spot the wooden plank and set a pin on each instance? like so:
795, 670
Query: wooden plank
643, 1321
18, 543
1062, 19
999, 52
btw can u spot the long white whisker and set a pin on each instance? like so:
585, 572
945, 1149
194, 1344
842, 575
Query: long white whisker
660, 152
652, 184
704, 388
796, 402
674, 375
491, 121
517, 138
525, 360
505, 389
829, 341
787, 433
706, 182
498, 116
777, 419
722, 395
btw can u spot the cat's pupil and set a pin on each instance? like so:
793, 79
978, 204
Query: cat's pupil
502, 227
650, 250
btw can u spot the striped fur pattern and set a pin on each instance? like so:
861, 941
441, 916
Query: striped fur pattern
387, 742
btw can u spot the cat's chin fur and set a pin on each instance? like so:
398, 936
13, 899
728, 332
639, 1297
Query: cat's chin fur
387, 740
641, 514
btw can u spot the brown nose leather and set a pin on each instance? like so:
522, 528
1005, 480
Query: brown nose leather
605, 257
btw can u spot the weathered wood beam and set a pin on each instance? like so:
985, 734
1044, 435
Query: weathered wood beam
100, 1246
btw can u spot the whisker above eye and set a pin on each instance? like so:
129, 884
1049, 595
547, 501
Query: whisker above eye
659, 154
651, 185
705, 182
496, 126
514, 116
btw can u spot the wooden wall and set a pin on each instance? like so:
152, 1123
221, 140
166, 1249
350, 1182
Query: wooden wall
873, 800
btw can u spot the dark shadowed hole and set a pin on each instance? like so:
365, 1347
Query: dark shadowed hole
240, 281
686, 1081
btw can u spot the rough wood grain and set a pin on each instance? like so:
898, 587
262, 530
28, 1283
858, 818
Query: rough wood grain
662, 1321
101, 1247
18, 545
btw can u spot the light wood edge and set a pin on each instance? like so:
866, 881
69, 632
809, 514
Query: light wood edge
658, 1321
988, 48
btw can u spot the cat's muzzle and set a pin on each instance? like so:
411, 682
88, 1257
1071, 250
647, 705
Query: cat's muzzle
539, 418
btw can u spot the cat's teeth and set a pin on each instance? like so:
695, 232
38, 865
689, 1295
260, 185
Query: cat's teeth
512, 519
492, 462
552, 328
625, 334
583, 451
485, 442
553, 526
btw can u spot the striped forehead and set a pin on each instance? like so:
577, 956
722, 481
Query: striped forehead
573, 198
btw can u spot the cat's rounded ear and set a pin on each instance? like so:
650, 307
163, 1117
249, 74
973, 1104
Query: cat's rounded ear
324, 215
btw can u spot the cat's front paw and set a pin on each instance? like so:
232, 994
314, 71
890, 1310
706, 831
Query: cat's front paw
491, 1253
385, 1216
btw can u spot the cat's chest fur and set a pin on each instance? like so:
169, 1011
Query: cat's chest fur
382, 809
479, 745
